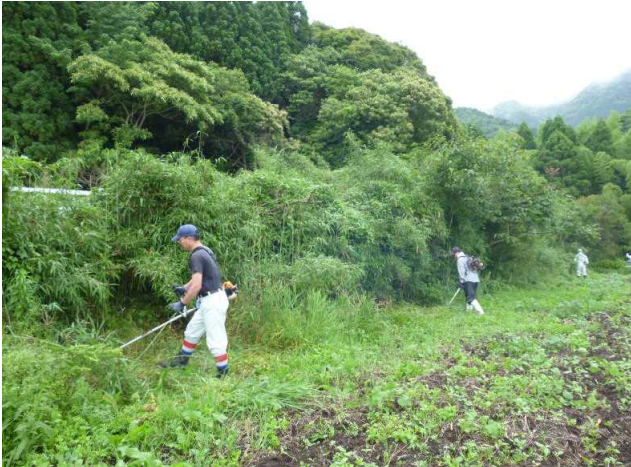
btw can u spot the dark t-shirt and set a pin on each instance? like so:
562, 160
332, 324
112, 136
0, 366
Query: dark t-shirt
203, 260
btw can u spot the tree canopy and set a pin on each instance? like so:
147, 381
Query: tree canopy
301, 147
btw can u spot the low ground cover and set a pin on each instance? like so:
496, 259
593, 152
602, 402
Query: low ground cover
544, 377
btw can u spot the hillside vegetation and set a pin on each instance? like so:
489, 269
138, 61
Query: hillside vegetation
488, 124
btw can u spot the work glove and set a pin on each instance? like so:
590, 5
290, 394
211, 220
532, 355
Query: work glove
230, 288
180, 290
460, 285
177, 307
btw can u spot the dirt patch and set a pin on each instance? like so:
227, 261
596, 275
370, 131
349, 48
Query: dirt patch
433, 380
303, 444
571, 436
604, 431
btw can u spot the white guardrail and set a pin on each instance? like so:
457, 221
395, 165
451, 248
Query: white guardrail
61, 191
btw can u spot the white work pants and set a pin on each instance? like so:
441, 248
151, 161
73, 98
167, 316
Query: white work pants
210, 320
581, 269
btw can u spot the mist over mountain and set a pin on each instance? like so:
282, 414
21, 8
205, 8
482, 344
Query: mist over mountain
596, 100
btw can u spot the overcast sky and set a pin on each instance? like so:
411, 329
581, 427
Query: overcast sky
485, 52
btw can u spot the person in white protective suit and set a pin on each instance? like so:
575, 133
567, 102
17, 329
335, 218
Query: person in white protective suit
468, 280
212, 303
581, 261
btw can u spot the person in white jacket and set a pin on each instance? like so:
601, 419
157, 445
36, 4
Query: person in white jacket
469, 280
581, 261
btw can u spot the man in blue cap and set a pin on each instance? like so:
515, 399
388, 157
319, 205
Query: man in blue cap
212, 303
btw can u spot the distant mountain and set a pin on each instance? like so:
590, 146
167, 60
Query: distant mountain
515, 112
596, 100
485, 122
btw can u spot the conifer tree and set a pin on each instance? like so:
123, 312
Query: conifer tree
603, 172
106, 22
39, 39
556, 151
526, 133
625, 121
601, 139
623, 147
556, 124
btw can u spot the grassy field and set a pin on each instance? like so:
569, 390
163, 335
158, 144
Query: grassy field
544, 378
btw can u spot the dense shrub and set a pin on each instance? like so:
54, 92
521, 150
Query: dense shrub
382, 225
608, 265
498, 208
371, 221
57, 258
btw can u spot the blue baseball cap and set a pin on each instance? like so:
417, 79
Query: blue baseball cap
186, 230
